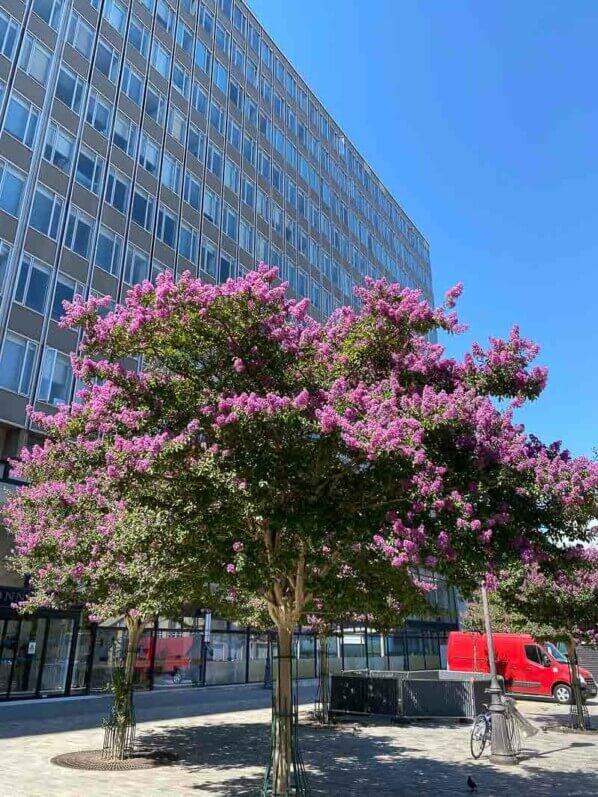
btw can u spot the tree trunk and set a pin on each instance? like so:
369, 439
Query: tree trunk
323, 699
282, 754
122, 719
580, 720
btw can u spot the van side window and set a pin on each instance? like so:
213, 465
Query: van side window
533, 653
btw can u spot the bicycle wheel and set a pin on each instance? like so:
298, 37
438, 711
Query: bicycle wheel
480, 732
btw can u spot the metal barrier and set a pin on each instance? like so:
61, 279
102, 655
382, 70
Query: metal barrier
432, 694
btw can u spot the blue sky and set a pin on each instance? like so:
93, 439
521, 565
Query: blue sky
482, 120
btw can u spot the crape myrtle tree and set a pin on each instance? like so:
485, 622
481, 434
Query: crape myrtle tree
81, 545
282, 442
552, 607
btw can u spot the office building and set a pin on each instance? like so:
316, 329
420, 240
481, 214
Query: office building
148, 135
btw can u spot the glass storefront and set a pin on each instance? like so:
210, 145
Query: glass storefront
54, 655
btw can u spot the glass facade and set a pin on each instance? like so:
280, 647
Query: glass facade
146, 135
52, 655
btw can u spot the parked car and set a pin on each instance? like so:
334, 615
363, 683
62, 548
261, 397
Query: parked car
528, 668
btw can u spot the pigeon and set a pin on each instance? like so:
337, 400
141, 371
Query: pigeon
471, 784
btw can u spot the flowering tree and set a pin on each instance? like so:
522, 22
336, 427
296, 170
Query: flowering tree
559, 607
281, 443
82, 546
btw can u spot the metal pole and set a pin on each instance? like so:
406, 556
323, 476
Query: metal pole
502, 751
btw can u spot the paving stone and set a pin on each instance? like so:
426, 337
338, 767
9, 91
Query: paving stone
222, 753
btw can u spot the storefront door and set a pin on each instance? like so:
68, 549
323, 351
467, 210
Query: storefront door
29, 650
9, 636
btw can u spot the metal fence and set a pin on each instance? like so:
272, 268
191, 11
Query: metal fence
433, 694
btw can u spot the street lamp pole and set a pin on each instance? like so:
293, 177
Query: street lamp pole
501, 749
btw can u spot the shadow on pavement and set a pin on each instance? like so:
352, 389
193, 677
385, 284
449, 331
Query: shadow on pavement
352, 764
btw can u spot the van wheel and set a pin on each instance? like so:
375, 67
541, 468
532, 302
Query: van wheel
562, 694
177, 677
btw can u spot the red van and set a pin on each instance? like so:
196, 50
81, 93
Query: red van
527, 667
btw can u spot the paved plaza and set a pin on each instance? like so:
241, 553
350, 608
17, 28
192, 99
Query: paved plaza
222, 741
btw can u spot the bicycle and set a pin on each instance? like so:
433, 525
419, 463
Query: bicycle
481, 731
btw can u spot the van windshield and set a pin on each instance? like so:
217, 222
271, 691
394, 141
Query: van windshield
556, 653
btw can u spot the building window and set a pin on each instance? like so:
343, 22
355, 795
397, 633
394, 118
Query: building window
125, 134
79, 232
279, 140
262, 249
117, 191
206, 20
181, 80
254, 38
184, 37
235, 94
222, 39
277, 178
202, 57
59, 148
139, 36
108, 251
234, 135
263, 164
214, 160
155, 105
21, 120
32, 285
69, 89
16, 363
80, 35
209, 257
143, 209
149, 4
132, 84
149, 154
160, 59
136, 266
199, 99
266, 91
177, 124
226, 6
192, 191
211, 206
266, 54
251, 72
165, 15
56, 377
248, 191
35, 59
220, 77
8, 35
188, 242
196, 142
231, 176
229, 222
116, 14
217, 116
107, 60
276, 218
98, 114
239, 20
171, 173
249, 149
246, 236
166, 227
238, 57
265, 126
49, 11
65, 290
4, 256
250, 111
89, 169
46, 212
263, 204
